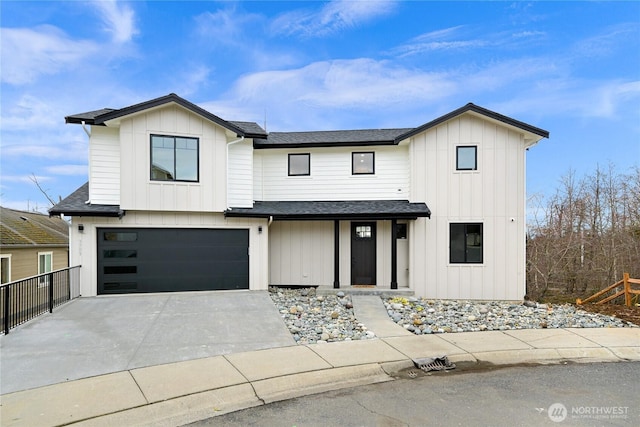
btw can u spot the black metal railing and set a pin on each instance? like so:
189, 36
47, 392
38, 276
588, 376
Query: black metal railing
22, 300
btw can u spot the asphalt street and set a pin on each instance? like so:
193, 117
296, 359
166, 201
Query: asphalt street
593, 394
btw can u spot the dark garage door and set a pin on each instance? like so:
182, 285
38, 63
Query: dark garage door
171, 260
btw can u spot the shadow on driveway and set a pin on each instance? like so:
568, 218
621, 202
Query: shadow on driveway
94, 336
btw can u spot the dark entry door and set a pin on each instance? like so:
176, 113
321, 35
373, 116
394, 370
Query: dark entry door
363, 253
170, 260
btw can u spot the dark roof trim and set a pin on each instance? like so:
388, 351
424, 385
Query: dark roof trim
333, 210
100, 117
75, 205
479, 110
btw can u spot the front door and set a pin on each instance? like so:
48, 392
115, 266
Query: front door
363, 253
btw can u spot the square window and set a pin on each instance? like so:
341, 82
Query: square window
300, 164
363, 163
467, 158
465, 244
174, 158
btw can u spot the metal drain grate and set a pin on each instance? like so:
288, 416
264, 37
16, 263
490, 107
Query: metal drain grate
428, 364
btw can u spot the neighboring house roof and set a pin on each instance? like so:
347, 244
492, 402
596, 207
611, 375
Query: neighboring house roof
100, 117
351, 209
75, 205
334, 138
19, 228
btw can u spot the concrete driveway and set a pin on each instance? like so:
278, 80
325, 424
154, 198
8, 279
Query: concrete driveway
94, 336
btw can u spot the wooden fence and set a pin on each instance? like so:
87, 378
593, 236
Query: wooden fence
629, 293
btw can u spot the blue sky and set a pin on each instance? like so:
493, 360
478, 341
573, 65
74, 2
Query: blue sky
572, 68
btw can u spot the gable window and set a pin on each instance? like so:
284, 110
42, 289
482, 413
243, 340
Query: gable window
466, 158
45, 264
174, 158
363, 163
465, 245
300, 164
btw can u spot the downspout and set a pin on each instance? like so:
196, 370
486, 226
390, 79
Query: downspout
228, 145
84, 128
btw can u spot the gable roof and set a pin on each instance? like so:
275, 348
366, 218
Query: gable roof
100, 117
21, 228
471, 107
366, 137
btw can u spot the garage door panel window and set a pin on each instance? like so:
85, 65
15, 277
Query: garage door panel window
120, 269
174, 158
120, 236
120, 253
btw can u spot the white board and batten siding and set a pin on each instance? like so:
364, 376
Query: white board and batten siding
302, 253
493, 195
240, 176
331, 177
139, 192
104, 166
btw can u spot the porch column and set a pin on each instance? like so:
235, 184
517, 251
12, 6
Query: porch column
394, 254
336, 254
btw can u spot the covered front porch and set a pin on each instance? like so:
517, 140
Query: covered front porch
338, 244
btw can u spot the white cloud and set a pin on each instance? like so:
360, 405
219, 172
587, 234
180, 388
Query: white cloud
29, 112
29, 53
333, 17
118, 19
440, 40
225, 26
67, 151
67, 169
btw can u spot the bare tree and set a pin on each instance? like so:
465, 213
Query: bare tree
34, 179
586, 235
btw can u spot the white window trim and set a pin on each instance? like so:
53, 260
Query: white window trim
7, 256
44, 281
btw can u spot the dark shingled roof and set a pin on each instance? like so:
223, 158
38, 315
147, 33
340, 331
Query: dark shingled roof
350, 209
249, 128
74, 205
19, 228
332, 138
99, 117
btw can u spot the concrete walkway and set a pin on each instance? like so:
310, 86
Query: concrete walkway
182, 392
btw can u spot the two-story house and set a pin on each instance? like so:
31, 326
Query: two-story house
179, 199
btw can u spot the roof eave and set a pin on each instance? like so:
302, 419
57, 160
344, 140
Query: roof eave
71, 212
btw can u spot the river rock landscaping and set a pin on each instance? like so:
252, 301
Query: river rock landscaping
427, 316
313, 318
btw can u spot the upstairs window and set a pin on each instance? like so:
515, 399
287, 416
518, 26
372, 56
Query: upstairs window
465, 245
174, 158
466, 158
363, 163
300, 164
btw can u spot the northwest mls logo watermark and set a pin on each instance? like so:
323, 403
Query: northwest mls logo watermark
558, 412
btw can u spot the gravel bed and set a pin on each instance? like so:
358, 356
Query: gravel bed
427, 316
313, 318
319, 319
